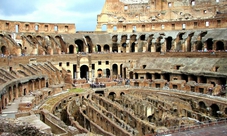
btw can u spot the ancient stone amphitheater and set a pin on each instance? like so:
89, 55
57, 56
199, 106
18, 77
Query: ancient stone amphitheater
152, 67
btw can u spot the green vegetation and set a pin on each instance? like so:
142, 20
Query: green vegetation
76, 90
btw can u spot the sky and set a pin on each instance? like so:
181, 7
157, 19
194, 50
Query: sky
81, 12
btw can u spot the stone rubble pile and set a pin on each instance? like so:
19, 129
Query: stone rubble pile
13, 127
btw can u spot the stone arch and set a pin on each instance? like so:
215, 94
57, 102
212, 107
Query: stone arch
226, 110
133, 38
131, 75
115, 70
4, 50
209, 44
112, 96
99, 72
89, 43
106, 48
84, 71
71, 49
219, 46
107, 72
115, 47
114, 38
169, 43
143, 37
214, 110
122, 93
151, 118
80, 45
199, 45
202, 105
98, 48
63, 46
132, 47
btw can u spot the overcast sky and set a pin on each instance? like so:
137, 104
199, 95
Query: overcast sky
81, 12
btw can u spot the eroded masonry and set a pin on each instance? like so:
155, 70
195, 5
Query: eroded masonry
151, 67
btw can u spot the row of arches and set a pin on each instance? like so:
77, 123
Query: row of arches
213, 109
128, 43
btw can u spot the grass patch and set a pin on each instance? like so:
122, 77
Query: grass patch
76, 90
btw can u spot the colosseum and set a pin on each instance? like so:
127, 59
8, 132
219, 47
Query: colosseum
151, 68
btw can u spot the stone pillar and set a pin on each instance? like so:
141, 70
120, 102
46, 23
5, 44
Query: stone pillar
162, 76
78, 75
152, 76
119, 70
111, 74
136, 47
90, 75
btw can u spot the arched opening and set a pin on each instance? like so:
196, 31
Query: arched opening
84, 71
112, 96
133, 47
220, 46
121, 72
101, 93
115, 47
89, 44
25, 92
106, 48
114, 38
136, 75
199, 45
122, 93
142, 37
131, 75
71, 49
151, 118
124, 45
98, 48
80, 45
169, 43
99, 72
202, 105
3, 49
115, 70
210, 44
104, 27
107, 73
214, 110
148, 76
158, 47
157, 76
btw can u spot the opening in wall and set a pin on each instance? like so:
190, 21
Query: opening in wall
207, 23
17, 28
66, 28
115, 28
193, 2
183, 26
36, 27
169, 4
126, 7
134, 29
104, 27
174, 86
55, 28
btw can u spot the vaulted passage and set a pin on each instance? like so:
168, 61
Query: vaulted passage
80, 45
220, 46
84, 72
